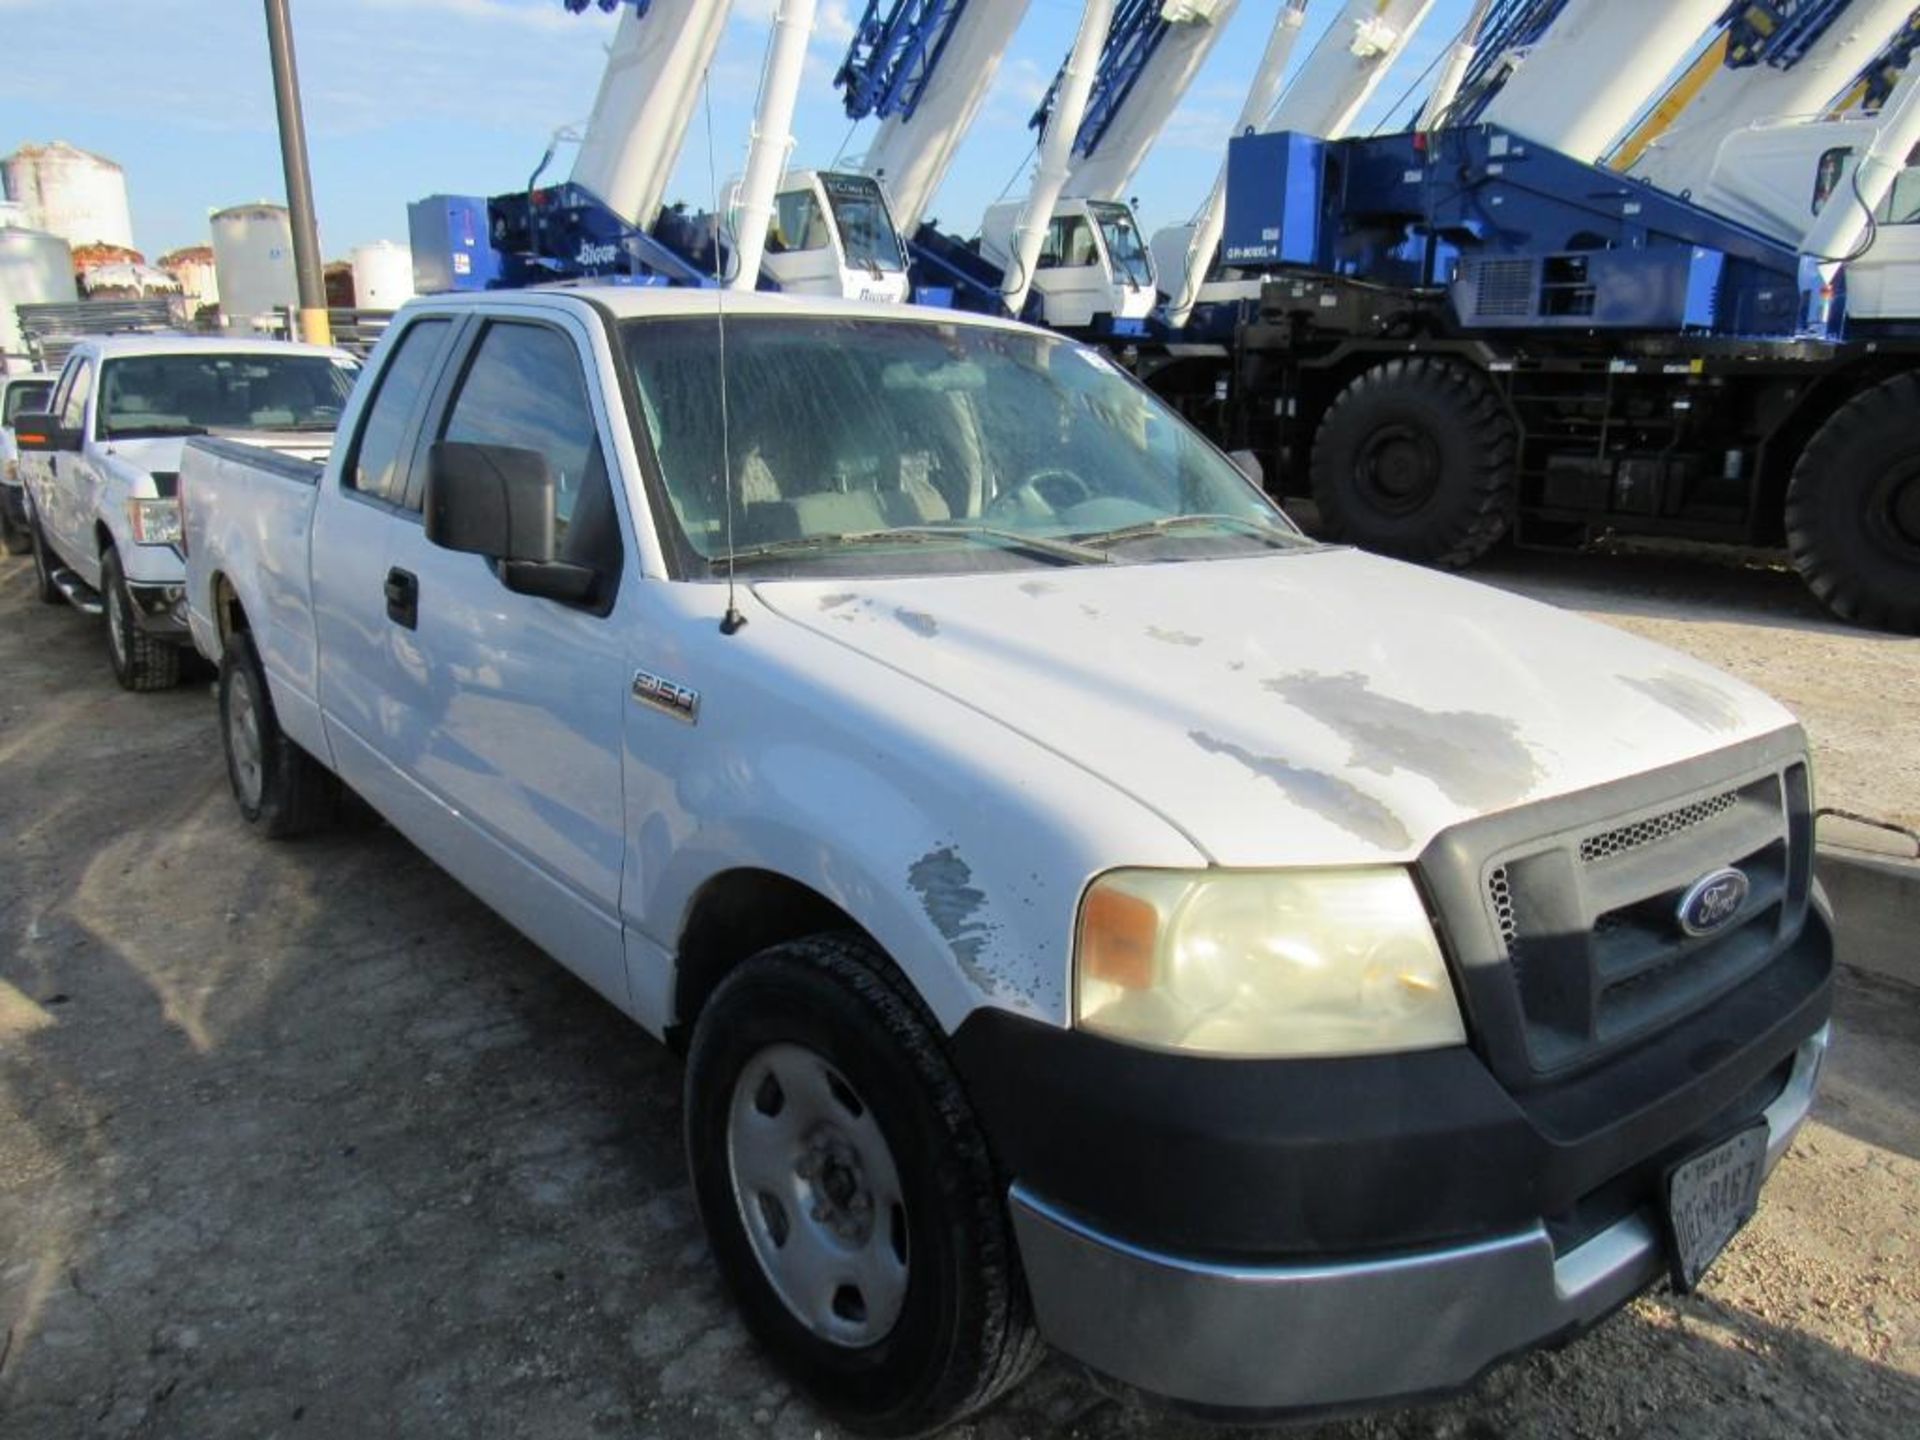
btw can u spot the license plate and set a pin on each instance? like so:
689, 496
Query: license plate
1709, 1198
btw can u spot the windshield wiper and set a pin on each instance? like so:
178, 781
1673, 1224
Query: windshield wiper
152, 432
1065, 551
1105, 539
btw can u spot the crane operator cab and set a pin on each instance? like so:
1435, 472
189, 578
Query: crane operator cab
1094, 274
832, 233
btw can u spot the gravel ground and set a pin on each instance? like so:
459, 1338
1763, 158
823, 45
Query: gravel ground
300, 1140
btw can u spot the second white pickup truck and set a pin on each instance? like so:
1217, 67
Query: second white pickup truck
1276, 976
100, 465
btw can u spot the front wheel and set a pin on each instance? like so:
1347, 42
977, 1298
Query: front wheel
43, 585
140, 662
1853, 509
1415, 458
278, 786
848, 1193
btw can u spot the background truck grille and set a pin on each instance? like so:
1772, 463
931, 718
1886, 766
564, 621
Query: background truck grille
1587, 918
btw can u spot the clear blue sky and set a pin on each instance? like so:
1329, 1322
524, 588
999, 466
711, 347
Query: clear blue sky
406, 98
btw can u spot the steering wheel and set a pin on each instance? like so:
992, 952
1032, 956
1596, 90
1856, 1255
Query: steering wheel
1043, 493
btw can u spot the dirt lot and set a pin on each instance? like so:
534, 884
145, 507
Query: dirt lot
300, 1141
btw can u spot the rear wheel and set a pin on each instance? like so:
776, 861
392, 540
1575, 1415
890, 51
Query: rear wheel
140, 662
278, 786
1415, 459
848, 1193
1853, 509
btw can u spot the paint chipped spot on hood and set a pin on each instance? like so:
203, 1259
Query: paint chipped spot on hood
919, 622
1328, 796
1173, 637
1477, 760
1691, 698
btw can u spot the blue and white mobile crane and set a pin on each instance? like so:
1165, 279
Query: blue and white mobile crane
1477, 326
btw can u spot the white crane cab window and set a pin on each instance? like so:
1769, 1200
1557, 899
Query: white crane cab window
1069, 244
798, 223
524, 387
376, 469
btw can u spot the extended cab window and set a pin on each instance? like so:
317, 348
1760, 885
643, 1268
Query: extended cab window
377, 469
525, 388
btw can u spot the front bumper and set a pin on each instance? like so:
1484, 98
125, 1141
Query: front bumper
1255, 1337
161, 610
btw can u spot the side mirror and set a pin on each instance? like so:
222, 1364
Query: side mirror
36, 430
1248, 464
498, 501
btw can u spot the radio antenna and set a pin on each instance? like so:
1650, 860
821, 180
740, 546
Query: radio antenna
732, 620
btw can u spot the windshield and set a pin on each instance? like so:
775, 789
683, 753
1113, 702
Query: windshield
866, 229
24, 395
1128, 255
909, 445
213, 390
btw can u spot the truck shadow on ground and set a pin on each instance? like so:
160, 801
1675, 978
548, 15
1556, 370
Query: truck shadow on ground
302, 1139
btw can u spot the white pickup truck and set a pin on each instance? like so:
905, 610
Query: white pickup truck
100, 464
27, 392
1276, 976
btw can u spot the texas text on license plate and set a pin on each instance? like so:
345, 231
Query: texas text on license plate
1709, 1197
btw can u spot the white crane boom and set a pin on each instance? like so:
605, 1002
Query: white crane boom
1677, 146
914, 147
1107, 168
772, 142
1056, 146
1596, 67
1454, 69
647, 94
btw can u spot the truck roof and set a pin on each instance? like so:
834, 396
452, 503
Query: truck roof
631, 302
110, 346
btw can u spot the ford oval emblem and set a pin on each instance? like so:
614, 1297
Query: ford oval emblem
1713, 901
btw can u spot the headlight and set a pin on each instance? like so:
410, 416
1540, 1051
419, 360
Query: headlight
1263, 963
154, 522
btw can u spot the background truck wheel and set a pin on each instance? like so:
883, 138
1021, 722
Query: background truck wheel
43, 585
13, 539
278, 786
848, 1193
1853, 508
1415, 459
140, 662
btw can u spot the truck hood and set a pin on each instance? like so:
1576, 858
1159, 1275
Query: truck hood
1322, 707
140, 458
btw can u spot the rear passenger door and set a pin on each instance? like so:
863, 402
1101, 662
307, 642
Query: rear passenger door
509, 709
352, 529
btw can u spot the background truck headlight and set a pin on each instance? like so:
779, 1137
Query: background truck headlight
1263, 963
154, 522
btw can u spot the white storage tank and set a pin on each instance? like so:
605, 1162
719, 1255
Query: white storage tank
193, 268
253, 263
35, 269
70, 192
382, 275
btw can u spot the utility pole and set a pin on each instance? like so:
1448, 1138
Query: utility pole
293, 157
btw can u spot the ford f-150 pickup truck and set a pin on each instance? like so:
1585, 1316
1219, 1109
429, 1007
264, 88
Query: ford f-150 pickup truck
1276, 976
101, 464
17, 393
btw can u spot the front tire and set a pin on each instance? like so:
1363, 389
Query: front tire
140, 662
848, 1193
1415, 459
1853, 509
278, 786
13, 539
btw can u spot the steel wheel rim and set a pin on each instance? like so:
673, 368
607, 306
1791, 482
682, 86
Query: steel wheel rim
819, 1196
1399, 469
243, 741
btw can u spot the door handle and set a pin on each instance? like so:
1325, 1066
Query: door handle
403, 598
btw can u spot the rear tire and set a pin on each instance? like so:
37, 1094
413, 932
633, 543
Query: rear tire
43, 585
1853, 509
817, 1045
278, 786
1415, 459
140, 662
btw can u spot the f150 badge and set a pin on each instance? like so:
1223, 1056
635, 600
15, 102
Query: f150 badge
1712, 901
665, 696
